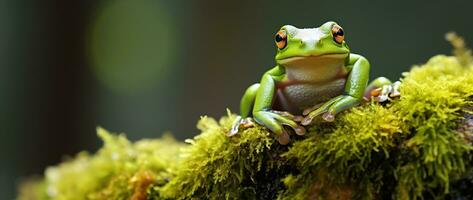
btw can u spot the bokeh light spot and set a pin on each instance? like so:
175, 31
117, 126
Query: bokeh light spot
132, 45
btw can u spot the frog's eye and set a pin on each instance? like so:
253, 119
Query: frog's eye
281, 39
338, 35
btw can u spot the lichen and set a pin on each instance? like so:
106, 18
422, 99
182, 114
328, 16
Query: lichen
415, 147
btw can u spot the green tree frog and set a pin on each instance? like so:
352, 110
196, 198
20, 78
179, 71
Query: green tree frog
315, 75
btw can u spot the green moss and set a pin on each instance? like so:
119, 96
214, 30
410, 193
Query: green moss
460, 51
417, 146
215, 166
119, 170
341, 154
411, 144
437, 154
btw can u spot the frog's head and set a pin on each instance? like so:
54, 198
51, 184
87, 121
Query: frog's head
304, 45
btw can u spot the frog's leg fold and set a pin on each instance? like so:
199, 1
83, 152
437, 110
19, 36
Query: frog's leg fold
357, 81
246, 105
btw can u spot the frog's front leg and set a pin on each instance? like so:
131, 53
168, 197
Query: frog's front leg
357, 80
264, 115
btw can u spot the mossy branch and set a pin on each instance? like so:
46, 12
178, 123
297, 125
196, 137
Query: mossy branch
417, 146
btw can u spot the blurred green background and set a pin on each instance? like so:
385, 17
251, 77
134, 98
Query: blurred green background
145, 67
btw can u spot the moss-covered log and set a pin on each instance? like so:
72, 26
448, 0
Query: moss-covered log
417, 146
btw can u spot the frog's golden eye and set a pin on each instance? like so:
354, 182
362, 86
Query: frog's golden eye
338, 35
281, 39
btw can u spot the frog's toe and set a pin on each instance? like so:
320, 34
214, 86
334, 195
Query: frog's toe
388, 91
382, 98
278, 122
287, 119
236, 125
328, 116
240, 123
382, 94
395, 89
284, 138
375, 92
298, 118
287, 115
312, 108
307, 120
300, 130
395, 94
247, 123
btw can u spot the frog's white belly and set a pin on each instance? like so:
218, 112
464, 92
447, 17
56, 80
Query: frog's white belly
311, 80
297, 96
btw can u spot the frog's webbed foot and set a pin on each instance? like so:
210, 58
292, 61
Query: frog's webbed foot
329, 109
312, 108
240, 123
386, 92
311, 115
277, 121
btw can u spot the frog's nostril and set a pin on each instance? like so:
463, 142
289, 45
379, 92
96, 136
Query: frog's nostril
302, 43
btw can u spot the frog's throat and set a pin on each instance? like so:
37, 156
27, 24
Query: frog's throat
311, 58
314, 69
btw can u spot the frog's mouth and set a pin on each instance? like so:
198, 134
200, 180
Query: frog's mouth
313, 59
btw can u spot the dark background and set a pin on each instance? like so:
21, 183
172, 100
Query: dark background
146, 67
